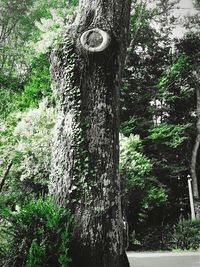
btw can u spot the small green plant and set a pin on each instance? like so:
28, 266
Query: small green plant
36, 235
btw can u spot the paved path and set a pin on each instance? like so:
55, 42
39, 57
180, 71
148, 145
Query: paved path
165, 259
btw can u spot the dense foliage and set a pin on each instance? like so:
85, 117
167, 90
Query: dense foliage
185, 235
36, 234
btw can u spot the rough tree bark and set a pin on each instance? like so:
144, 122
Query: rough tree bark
195, 151
87, 69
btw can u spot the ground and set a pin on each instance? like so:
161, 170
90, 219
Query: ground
166, 259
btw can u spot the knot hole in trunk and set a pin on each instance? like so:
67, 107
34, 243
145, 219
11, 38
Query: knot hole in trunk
95, 40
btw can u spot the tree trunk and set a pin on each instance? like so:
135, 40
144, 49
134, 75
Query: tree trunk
195, 155
87, 69
5, 175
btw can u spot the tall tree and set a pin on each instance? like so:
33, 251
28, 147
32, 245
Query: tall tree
195, 151
87, 69
189, 45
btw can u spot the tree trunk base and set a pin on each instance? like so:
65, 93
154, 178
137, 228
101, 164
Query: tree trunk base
83, 256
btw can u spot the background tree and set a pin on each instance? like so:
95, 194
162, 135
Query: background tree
146, 84
189, 45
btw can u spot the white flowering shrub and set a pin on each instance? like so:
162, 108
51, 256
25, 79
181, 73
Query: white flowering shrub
51, 29
34, 137
28, 145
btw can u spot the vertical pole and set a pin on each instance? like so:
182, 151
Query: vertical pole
191, 197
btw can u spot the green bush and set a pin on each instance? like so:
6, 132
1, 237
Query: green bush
157, 238
37, 235
184, 235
